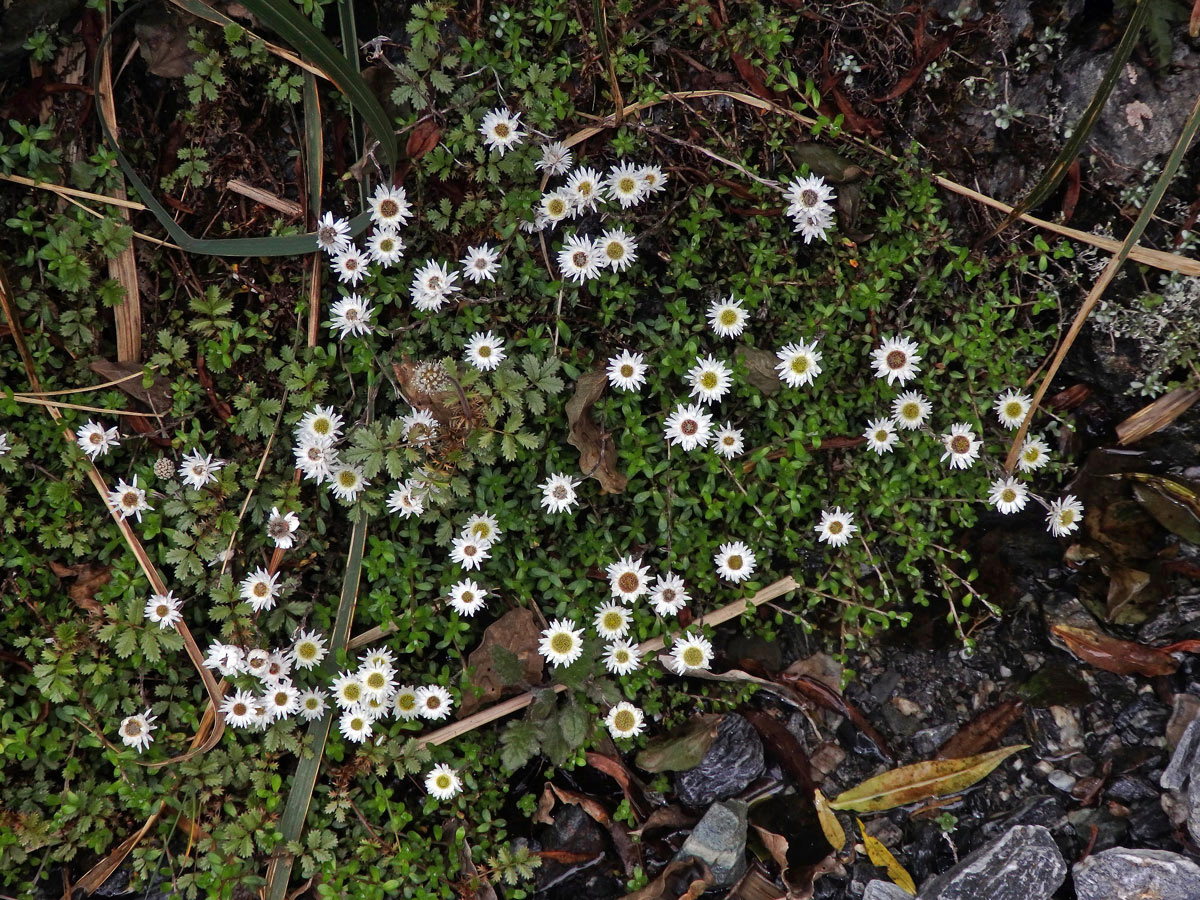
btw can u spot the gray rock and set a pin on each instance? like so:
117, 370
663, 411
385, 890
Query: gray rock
885, 890
733, 761
1121, 874
1180, 766
1024, 863
1193, 805
720, 840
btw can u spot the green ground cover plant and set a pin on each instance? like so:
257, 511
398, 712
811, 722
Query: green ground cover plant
229, 351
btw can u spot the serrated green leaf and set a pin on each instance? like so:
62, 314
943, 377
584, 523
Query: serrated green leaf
575, 724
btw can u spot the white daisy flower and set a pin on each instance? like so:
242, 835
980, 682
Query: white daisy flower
225, 658
622, 657
381, 656
1064, 516
443, 782
691, 651
1011, 408
617, 249
355, 725
315, 457
434, 702
727, 318
1035, 453
709, 379
501, 130
625, 186
259, 589
95, 440
333, 234
281, 527
348, 690
814, 227
556, 158
836, 527
624, 721
403, 501
809, 193
308, 649
467, 598
728, 441
405, 704
613, 621
483, 527
558, 493
350, 265
390, 209
484, 351
257, 661
555, 206
4, 448
799, 363
562, 642
1008, 495
312, 704
320, 422
347, 482
138, 731
279, 667
240, 709
583, 188
961, 447
579, 259
881, 435
164, 609
432, 286
669, 595
419, 427
385, 248
481, 263
627, 371
896, 360
351, 316
627, 578
377, 681
283, 700
653, 179
468, 553
735, 561
128, 499
197, 469
910, 410
688, 426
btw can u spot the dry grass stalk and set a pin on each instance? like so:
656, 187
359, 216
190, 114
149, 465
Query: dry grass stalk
266, 198
1157, 415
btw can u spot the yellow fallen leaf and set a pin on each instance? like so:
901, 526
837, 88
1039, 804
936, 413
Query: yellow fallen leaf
829, 822
881, 856
920, 781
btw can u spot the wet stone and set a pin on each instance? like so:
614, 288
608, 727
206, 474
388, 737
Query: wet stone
1180, 766
733, 761
1024, 863
885, 890
720, 840
1143, 719
1129, 789
927, 740
1148, 824
1121, 874
1109, 830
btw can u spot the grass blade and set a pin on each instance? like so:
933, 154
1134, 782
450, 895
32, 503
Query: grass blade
289, 22
305, 779
1190, 127
349, 30
314, 165
1057, 169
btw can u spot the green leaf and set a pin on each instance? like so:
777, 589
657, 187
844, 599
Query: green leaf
507, 666
575, 724
518, 744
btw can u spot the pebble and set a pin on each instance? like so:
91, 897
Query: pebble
719, 839
1024, 863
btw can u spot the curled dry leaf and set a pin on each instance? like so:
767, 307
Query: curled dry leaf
597, 452
517, 634
88, 580
881, 856
830, 826
682, 879
912, 784
1113, 654
422, 139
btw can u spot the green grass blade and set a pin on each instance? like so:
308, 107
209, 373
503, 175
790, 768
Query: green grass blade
304, 37
1057, 170
349, 29
292, 25
314, 144
305, 779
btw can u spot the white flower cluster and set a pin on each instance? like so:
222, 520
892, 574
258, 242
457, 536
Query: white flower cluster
810, 207
316, 454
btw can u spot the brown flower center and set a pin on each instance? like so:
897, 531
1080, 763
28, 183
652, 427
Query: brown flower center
960, 443
896, 359
835, 527
628, 582
388, 208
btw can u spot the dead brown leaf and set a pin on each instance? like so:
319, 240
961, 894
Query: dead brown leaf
163, 43
682, 879
1113, 654
597, 452
616, 769
422, 139
618, 832
683, 748
88, 580
158, 397
983, 732
517, 632
666, 817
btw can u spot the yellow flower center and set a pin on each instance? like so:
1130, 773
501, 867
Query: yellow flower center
693, 657
728, 318
562, 643
443, 781
352, 692
1008, 495
612, 621
800, 364
556, 207
614, 250
1013, 409
347, 479
376, 681
708, 381
627, 185
624, 721
910, 410
734, 562
161, 610
406, 702
835, 527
